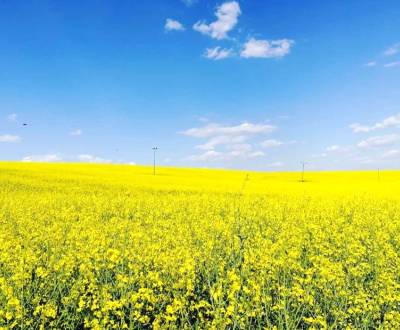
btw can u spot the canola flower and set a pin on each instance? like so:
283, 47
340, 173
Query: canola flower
114, 247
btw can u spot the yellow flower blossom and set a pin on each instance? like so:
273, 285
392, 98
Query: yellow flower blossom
114, 247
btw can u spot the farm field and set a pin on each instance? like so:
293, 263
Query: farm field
114, 247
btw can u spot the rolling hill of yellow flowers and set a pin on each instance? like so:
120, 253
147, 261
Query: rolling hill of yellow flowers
112, 246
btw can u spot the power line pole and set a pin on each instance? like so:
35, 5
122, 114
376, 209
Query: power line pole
302, 173
154, 159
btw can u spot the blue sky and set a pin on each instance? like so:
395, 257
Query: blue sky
247, 84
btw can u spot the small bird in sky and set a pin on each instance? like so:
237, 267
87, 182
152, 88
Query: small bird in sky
24, 124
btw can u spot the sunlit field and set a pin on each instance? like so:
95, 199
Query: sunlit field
112, 246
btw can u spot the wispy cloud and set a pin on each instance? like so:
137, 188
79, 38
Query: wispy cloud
231, 140
221, 140
337, 148
7, 138
392, 50
378, 141
271, 143
371, 63
392, 121
320, 155
391, 153
266, 49
358, 128
227, 18
217, 129
189, 2
76, 132
173, 25
276, 164
213, 155
392, 64
49, 158
218, 53
240, 147
334, 147
256, 154
12, 117
86, 158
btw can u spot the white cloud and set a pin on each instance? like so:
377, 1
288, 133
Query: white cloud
243, 150
218, 53
227, 17
85, 158
388, 122
391, 153
9, 138
213, 155
92, 159
76, 132
173, 25
377, 141
337, 148
392, 50
43, 158
372, 63
392, 121
271, 143
217, 129
392, 64
256, 154
358, 128
221, 140
12, 117
230, 138
266, 49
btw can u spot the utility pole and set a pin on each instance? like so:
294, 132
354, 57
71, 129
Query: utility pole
379, 174
154, 159
302, 173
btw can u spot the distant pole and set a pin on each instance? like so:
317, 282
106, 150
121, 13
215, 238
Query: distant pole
154, 160
302, 172
379, 174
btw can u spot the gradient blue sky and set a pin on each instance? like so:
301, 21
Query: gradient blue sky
291, 81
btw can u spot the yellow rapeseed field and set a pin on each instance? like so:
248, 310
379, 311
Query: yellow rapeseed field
114, 247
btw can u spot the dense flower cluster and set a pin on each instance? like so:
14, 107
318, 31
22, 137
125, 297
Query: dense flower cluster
114, 247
